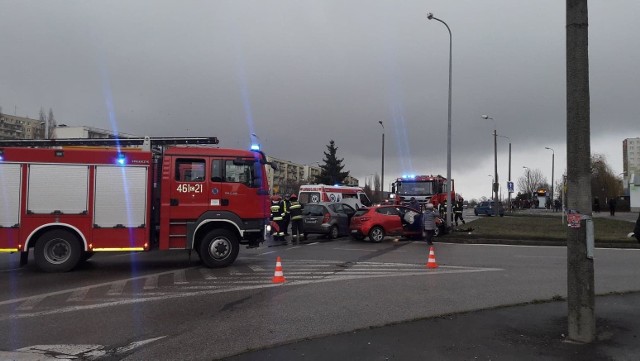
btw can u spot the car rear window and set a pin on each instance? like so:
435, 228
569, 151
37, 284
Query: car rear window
361, 212
313, 210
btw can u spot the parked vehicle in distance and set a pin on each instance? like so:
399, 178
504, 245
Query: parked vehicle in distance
487, 208
377, 222
330, 219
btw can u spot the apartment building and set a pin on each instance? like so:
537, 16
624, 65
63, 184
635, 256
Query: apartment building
288, 176
15, 127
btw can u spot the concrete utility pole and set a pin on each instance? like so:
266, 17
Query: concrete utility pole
580, 273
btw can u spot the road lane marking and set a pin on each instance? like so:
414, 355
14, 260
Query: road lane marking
116, 288
30, 303
151, 283
222, 286
262, 254
206, 273
255, 268
180, 277
78, 295
357, 249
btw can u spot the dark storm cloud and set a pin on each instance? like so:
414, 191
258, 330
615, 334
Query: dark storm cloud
299, 73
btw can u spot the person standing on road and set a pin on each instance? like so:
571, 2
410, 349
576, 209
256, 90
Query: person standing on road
429, 223
442, 208
612, 206
457, 211
295, 211
287, 217
414, 204
277, 216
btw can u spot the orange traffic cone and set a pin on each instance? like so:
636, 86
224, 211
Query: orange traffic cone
278, 276
431, 263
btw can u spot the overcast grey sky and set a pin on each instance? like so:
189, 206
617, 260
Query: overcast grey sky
300, 73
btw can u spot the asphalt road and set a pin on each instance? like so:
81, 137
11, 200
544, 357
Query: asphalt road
159, 306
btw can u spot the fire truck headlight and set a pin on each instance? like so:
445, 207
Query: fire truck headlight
392, 196
268, 228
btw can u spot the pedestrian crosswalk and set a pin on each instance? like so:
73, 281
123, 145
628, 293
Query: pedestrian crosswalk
251, 274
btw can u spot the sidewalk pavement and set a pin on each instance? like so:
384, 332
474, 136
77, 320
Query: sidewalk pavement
526, 332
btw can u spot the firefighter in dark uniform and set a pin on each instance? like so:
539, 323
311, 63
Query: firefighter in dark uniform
277, 216
295, 212
287, 217
442, 208
457, 211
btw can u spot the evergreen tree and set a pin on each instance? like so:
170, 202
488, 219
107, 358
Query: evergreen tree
331, 171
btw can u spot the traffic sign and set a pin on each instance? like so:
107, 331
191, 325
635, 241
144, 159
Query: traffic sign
510, 187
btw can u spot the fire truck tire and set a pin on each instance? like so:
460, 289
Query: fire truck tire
376, 234
219, 248
57, 251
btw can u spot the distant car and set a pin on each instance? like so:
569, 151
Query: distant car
488, 209
330, 219
377, 222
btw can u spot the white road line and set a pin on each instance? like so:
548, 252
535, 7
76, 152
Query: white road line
116, 288
78, 295
206, 273
151, 283
180, 277
290, 248
356, 249
234, 272
314, 243
224, 290
30, 303
262, 254
255, 268
61, 292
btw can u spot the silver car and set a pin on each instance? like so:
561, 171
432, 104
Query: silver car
330, 219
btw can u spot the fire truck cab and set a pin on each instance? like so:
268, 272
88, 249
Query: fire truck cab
66, 203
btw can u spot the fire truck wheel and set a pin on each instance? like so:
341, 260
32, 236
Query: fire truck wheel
219, 248
57, 251
376, 234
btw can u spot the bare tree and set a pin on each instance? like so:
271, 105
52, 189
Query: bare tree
51, 124
604, 184
376, 187
531, 181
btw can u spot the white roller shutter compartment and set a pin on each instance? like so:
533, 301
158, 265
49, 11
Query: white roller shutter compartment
9, 194
121, 196
58, 188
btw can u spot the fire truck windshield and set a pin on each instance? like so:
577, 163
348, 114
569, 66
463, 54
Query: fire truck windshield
415, 188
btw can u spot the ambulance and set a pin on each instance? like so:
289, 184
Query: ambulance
314, 193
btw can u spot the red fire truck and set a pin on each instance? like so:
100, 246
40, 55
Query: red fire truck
424, 188
69, 198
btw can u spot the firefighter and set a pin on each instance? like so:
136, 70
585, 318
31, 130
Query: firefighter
442, 208
295, 211
286, 204
277, 216
457, 211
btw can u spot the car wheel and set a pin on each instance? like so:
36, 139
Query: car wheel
376, 234
436, 232
334, 232
475, 212
306, 236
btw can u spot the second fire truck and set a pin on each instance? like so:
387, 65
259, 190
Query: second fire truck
424, 188
68, 199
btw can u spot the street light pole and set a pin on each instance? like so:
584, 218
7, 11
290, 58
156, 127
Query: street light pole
449, 205
495, 163
382, 175
491, 193
509, 180
553, 156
